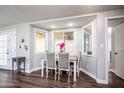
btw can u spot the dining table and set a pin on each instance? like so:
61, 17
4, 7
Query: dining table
73, 60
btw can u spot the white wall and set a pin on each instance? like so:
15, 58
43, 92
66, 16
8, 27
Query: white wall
22, 31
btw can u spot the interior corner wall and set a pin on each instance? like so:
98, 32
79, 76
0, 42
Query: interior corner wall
35, 58
23, 32
88, 63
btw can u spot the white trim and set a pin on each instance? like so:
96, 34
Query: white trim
102, 81
64, 18
83, 31
87, 55
112, 70
35, 69
106, 50
27, 71
94, 77
88, 73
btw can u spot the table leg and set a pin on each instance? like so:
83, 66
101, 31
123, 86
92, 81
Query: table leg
24, 67
74, 71
42, 69
13, 67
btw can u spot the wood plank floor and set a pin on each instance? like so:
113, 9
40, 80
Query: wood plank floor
34, 80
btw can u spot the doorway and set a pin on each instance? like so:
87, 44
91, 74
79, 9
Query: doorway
115, 44
7, 48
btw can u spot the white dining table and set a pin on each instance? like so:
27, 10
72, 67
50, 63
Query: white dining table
73, 59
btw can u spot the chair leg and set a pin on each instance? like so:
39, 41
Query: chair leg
78, 72
46, 73
69, 77
59, 75
55, 74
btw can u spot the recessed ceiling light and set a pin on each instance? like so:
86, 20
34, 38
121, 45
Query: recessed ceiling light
53, 26
70, 24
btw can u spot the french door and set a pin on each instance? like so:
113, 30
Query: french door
7, 48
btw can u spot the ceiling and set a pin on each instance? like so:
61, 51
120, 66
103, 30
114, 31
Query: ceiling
115, 22
64, 24
15, 14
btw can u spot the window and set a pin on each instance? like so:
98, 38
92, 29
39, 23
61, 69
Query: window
58, 36
40, 41
67, 38
69, 42
88, 40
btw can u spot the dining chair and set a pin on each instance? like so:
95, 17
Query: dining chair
64, 64
50, 63
77, 64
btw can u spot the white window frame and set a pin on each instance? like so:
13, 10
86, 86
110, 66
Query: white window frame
64, 30
46, 39
83, 31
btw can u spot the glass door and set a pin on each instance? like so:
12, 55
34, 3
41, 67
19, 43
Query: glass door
3, 49
7, 49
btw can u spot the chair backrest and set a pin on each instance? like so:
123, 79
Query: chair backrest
63, 63
50, 58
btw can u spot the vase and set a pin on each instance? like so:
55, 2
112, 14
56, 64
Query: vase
61, 50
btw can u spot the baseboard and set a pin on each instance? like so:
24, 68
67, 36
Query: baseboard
27, 71
86, 72
35, 69
112, 70
94, 77
102, 81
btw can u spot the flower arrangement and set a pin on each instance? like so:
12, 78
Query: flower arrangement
61, 46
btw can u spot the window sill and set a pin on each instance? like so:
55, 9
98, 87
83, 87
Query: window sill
39, 52
87, 55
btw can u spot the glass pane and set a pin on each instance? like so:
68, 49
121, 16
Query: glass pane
88, 40
58, 37
40, 41
1, 49
69, 42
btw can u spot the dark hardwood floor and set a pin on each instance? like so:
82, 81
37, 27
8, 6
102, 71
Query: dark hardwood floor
34, 80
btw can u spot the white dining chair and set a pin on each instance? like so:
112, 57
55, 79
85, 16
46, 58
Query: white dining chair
50, 63
77, 64
64, 64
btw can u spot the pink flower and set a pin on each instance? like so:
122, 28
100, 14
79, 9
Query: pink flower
61, 45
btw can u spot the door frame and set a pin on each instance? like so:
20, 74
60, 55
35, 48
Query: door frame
106, 44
